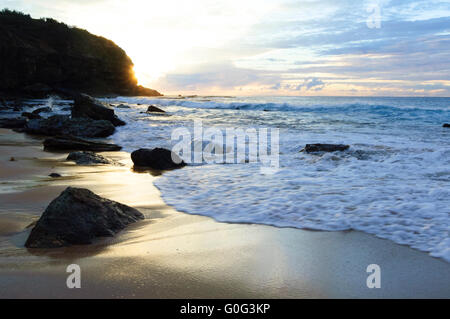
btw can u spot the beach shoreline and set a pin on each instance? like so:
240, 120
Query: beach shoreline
176, 255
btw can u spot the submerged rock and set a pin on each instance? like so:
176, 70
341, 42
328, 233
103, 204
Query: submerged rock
157, 158
312, 148
73, 143
154, 109
42, 110
446, 125
64, 125
122, 106
16, 123
87, 158
86, 106
78, 216
31, 116
54, 175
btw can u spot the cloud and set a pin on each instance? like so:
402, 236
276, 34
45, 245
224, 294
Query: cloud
219, 75
311, 83
277, 86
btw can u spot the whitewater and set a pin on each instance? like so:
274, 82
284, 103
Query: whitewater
393, 181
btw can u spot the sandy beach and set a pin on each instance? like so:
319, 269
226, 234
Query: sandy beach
175, 255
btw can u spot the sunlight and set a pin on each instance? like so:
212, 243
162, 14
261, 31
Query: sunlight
158, 35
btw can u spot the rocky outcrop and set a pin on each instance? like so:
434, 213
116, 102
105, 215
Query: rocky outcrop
39, 56
313, 148
31, 116
86, 106
157, 158
64, 125
154, 108
446, 125
17, 123
143, 91
77, 217
71, 143
88, 158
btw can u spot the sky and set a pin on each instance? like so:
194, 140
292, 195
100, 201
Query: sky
272, 47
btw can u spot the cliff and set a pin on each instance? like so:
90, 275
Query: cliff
38, 56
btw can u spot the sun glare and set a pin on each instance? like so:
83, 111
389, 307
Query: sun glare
161, 36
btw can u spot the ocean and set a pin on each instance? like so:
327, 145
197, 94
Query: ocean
393, 181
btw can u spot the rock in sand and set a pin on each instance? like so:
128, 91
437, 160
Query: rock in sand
78, 216
88, 158
78, 144
64, 125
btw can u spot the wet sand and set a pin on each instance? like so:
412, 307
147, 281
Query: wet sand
175, 255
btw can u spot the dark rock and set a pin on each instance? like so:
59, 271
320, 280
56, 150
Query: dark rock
122, 106
86, 106
157, 158
42, 109
446, 125
37, 90
312, 148
31, 116
54, 175
12, 159
64, 125
78, 144
143, 91
77, 217
87, 158
153, 108
16, 123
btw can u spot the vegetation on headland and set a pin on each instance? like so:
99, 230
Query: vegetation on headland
38, 56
